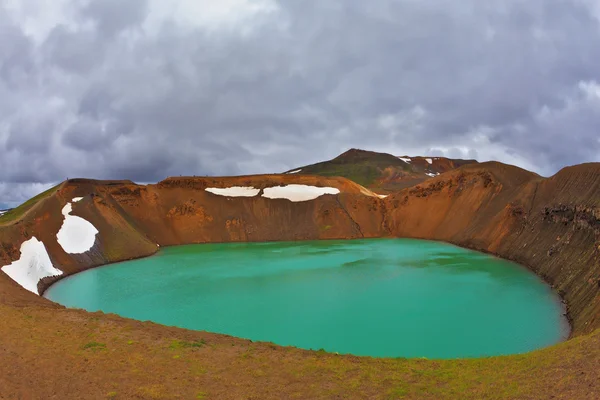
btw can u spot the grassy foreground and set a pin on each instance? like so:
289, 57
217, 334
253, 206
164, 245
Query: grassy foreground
113, 357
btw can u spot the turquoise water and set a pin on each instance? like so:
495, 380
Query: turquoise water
381, 297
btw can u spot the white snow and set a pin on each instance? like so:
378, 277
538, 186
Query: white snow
76, 235
406, 160
298, 192
429, 160
431, 174
2, 212
295, 172
67, 209
33, 265
235, 191
382, 196
77, 199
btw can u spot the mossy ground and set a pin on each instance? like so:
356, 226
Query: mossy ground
362, 167
117, 358
18, 212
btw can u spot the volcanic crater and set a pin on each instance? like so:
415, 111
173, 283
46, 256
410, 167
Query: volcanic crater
550, 225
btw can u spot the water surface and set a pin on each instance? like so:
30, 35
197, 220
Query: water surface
380, 297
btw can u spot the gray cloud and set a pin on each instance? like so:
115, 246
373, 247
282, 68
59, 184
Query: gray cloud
139, 90
114, 16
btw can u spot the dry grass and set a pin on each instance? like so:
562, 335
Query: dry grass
119, 358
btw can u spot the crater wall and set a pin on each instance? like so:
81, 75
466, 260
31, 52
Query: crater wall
551, 225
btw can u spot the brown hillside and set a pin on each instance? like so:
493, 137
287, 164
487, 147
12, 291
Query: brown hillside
437, 165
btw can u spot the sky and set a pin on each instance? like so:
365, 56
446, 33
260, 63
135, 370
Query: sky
145, 89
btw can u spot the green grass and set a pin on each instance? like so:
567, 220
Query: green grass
362, 167
18, 212
94, 346
183, 344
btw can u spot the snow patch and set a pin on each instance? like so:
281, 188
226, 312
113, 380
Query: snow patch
235, 191
295, 172
298, 192
66, 210
33, 265
76, 235
2, 212
77, 199
382, 196
429, 160
431, 174
406, 160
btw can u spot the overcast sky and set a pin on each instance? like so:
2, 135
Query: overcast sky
145, 89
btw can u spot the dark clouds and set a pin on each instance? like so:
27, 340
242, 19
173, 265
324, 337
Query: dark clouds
143, 89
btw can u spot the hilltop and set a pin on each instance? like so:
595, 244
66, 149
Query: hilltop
382, 172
